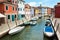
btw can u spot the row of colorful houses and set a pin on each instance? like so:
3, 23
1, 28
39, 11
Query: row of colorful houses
38, 10
12, 9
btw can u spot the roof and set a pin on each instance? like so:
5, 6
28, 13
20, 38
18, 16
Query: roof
1, 15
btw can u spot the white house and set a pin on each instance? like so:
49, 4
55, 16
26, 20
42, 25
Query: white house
44, 10
27, 11
32, 11
21, 13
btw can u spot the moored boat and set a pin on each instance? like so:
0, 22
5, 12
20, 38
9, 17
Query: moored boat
15, 30
26, 23
34, 19
48, 30
33, 22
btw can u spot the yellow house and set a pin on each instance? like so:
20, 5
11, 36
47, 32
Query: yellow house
37, 10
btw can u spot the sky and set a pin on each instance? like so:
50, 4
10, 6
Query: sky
48, 3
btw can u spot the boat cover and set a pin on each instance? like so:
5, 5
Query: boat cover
48, 29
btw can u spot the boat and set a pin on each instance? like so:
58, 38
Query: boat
33, 22
40, 16
15, 30
48, 30
26, 23
34, 19
37, 17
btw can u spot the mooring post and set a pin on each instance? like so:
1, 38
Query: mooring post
55, 23
57, 27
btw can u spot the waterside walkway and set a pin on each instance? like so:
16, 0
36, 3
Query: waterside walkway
4, 28
56, 24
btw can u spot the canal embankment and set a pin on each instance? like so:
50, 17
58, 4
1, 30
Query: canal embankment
56, 24
54, 37
4, 28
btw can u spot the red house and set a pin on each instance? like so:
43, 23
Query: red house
57, 10
9, 8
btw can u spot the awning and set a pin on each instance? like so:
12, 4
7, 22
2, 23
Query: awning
1, 15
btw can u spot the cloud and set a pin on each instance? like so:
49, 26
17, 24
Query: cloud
32, 3
49, 3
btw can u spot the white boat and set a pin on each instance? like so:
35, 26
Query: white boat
48, 31
33, 22
40, 17
34, 19
16, 30
26, 23
37, 17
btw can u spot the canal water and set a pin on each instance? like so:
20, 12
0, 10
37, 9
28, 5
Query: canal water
29, 33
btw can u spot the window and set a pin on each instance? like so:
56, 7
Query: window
6, 7
23, 2
15, 16
22, 15
20, 2
23, 9
13, 8
13, 1
19, 9
8, 16
16, 9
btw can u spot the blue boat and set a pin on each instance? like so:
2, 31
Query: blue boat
48, 30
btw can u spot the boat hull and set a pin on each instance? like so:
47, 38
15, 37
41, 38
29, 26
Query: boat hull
33, 23
48, 34
16, 30
48, 31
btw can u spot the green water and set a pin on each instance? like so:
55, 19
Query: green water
29, 33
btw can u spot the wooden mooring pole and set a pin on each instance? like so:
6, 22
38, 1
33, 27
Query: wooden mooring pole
55, 23
57, 27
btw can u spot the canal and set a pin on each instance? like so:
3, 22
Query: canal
29, 33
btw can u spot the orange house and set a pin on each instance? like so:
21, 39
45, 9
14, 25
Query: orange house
9, 9
49, 11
